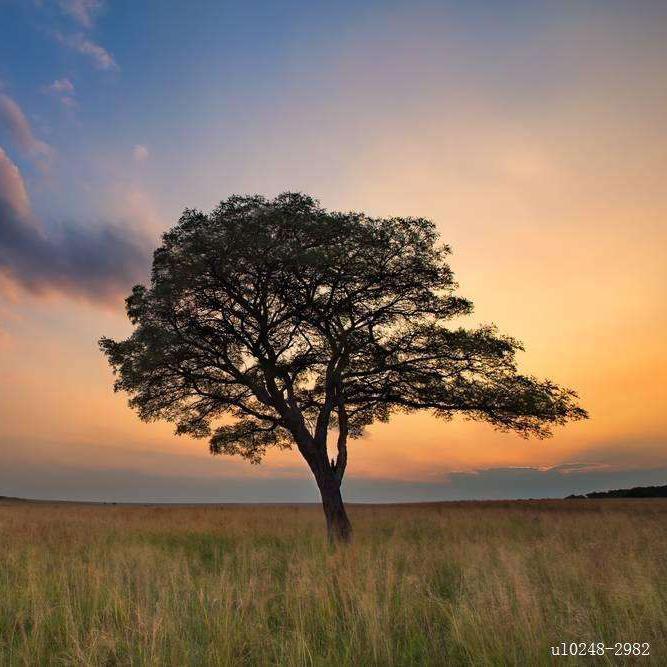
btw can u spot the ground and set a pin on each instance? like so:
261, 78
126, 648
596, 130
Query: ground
489, 583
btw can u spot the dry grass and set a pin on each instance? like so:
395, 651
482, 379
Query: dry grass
468, 583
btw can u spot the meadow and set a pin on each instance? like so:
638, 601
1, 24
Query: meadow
488, 583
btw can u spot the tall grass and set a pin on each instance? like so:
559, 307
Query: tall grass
468, 583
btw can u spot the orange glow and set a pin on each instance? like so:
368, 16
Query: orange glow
555, 207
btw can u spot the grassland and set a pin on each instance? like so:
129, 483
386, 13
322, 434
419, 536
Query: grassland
459, 584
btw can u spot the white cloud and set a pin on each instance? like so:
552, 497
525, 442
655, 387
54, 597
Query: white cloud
140, 153
60, 86
82, 11
101, 58
63, 89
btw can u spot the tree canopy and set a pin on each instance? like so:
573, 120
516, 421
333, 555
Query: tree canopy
269, 323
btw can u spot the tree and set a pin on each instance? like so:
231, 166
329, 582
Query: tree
294, 321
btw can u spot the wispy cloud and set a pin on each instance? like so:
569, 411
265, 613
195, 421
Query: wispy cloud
99, 56
13, 195
16, 126
83, 12
63, 89
96, 262
152, 479
60, 86
140, 153
69, 102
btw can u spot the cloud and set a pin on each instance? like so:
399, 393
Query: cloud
100, 57
61, 86
62, 482
96, 262
140, 153
555, 482
69, 102
17, 127
35, 468
13, 195
206, 482
63, 89
82, 11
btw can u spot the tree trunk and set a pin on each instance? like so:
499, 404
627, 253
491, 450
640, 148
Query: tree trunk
339, 528
328, 477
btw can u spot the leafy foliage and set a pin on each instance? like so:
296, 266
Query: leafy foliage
293, 320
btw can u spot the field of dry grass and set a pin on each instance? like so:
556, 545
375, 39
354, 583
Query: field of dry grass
460, 584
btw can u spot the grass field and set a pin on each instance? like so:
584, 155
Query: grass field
456, 583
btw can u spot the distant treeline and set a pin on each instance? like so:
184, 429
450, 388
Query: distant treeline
635, 492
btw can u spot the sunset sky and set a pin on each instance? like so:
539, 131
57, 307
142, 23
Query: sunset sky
533, 134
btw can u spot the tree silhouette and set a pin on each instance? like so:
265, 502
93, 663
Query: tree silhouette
295, 321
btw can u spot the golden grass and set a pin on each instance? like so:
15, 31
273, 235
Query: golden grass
465, 583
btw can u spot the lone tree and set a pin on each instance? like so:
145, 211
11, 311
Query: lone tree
295, 321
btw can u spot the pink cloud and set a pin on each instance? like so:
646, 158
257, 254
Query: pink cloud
13, 194
98, 262
14, 122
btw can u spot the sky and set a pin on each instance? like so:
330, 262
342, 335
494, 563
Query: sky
532, 133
